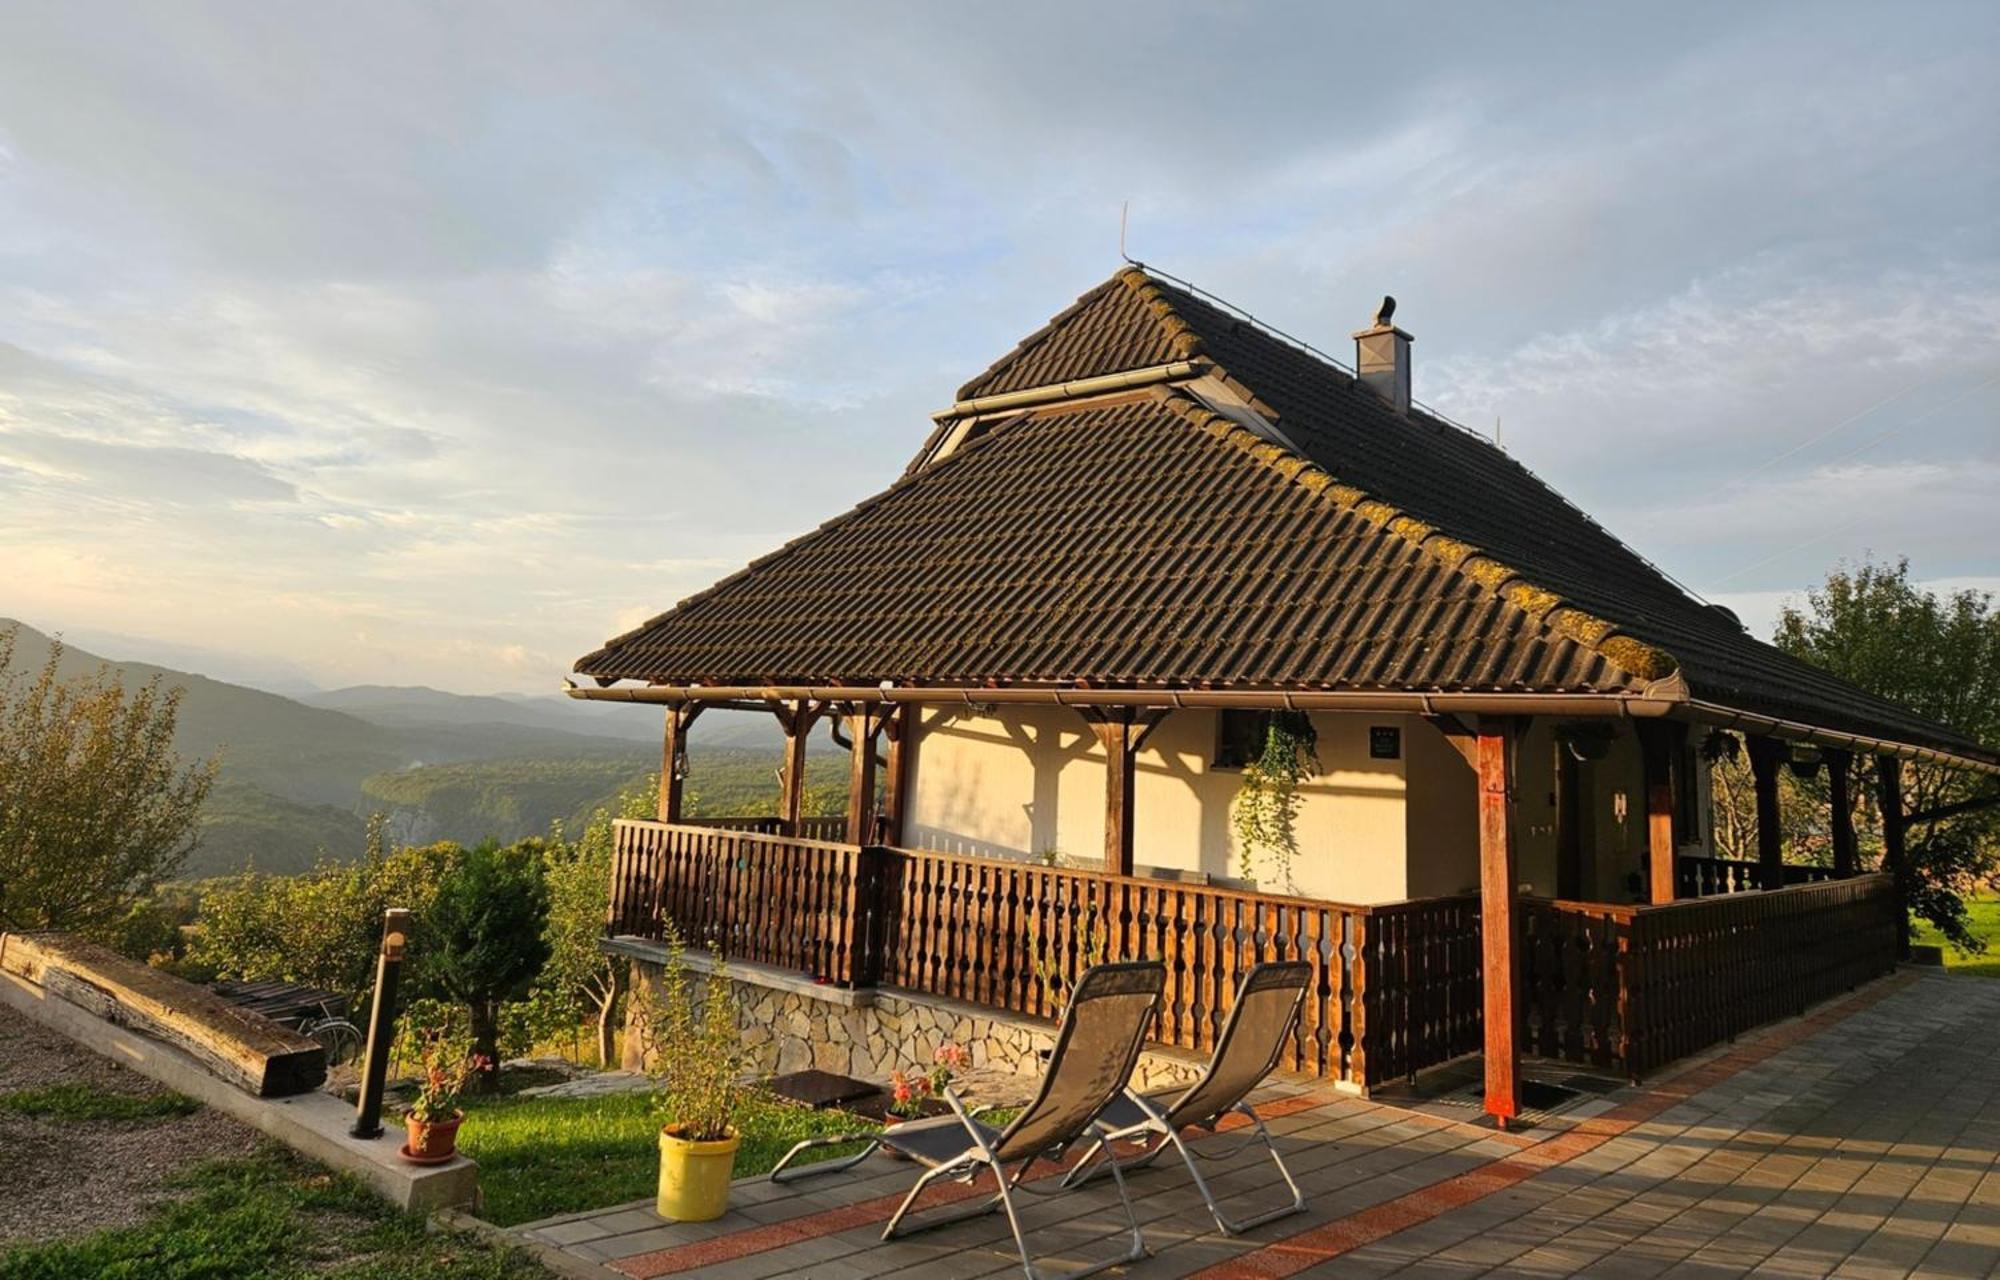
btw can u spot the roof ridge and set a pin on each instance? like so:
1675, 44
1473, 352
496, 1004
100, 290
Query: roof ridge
905, 479
1638, 658
1181, 336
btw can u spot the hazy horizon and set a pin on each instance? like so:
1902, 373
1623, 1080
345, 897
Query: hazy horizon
386, 345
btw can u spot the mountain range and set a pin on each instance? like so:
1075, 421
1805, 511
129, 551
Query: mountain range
299, 775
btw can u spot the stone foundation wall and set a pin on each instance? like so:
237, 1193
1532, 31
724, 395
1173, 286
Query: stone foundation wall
794, 1025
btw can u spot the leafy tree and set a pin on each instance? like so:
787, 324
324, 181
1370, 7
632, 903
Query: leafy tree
1939, 656
95, 805
578, 874
322, 928
153, 926
486, 939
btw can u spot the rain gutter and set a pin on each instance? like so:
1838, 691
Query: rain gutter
1077, 389
1568, 704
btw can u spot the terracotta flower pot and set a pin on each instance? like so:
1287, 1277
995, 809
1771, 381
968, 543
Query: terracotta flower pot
435, 1139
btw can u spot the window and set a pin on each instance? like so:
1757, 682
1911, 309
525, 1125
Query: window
1240, 737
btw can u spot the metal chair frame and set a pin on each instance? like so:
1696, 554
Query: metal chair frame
982, 1152
1160, 1129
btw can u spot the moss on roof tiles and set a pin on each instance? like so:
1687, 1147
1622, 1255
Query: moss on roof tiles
1629, 654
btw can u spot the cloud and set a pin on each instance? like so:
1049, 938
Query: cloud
111, 471
420, 348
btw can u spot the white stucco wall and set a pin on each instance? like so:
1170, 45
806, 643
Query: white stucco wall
1025, 780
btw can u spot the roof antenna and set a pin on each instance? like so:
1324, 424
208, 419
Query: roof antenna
1124, 208
1496, 432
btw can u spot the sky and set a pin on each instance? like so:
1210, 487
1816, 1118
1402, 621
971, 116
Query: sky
434, 344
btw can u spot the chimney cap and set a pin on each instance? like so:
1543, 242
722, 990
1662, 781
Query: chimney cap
1383, 322
1382, 358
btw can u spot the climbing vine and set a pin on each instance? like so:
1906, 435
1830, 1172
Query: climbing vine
1267, 805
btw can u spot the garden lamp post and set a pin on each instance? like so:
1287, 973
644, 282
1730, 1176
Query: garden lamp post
381, 1022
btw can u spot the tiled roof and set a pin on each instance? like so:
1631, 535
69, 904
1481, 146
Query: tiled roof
1153, 543
1146, 543
1112, 328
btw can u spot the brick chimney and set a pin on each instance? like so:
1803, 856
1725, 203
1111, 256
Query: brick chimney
1382, 358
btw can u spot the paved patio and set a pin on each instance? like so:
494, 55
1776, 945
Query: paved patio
1858, 1141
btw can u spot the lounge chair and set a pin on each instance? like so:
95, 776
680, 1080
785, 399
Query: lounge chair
1096, 1048
1260, 1024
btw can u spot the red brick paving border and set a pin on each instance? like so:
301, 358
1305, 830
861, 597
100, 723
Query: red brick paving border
811, 1226
1295, 1253
1315, 1245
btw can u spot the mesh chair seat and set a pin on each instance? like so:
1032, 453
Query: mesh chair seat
935, 1140
1124, 1111
1096, 1048
1260, 1024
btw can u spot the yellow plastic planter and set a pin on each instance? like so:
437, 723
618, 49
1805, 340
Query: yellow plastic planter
694, 1176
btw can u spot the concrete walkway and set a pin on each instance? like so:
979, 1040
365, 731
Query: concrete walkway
1858, 1141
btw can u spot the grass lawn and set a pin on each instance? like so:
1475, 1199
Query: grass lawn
76, 1101
543, 1156
1985, 912
270, 1215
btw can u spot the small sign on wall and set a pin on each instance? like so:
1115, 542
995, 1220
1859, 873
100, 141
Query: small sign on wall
1385, 742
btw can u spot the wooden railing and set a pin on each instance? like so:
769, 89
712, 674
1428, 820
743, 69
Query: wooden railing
1707, 877
811, 827
1396, 987
1633, 988
805, 905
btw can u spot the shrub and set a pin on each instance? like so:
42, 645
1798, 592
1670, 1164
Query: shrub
95, 805
486, 938
694, 1047
579, 977
323, 928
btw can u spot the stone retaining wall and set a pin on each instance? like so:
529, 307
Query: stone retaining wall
796, 1025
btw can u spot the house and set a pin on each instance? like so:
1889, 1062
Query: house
1155, 528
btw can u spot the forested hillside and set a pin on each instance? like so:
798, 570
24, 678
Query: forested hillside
298, 781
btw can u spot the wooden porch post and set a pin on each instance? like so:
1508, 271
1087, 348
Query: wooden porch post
1766, 754
1122, 731
901, 727
862, 723
1499, 923
1838, 765
673, 758
1893, 851
1657, 745
798, 720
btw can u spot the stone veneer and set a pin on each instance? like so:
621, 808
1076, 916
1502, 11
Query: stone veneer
796, 1025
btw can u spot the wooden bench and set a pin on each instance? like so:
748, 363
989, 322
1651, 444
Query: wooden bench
238, 1045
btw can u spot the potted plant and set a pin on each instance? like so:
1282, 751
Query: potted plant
1266, 807
695, 1056
919, 1091
432, 1119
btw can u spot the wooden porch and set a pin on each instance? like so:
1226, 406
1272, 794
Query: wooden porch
1399, 987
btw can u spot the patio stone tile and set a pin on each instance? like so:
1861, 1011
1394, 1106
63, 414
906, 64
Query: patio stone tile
565, 1233
1818, 1158
627, 1220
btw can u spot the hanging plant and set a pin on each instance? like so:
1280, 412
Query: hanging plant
1267, 805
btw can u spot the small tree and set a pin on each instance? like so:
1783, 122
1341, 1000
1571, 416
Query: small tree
1940, 657
486, 937
578, 973
95, 805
